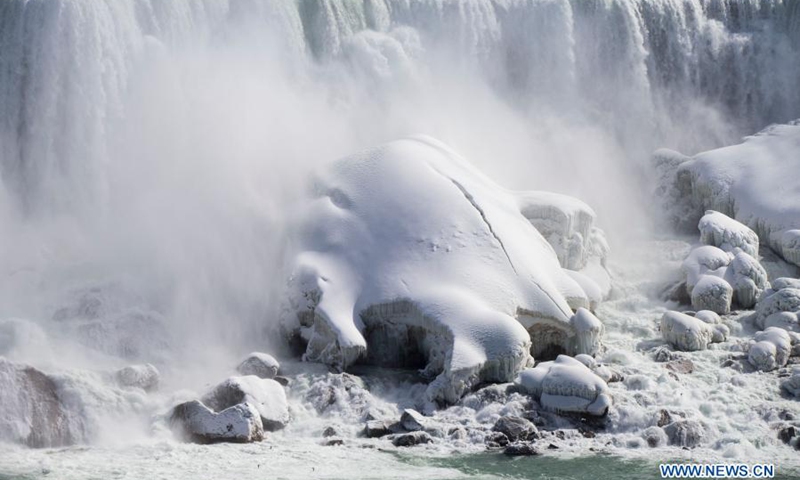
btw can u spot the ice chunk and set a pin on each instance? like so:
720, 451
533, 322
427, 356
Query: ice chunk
771, 349
712, 293
689, 334
566, 385
266, 396
259, 364
748, 182
410, 257
721, 231
195, 422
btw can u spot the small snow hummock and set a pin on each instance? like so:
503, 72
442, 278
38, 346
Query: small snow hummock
746, 181
689, 334
195, 422
566, 385
265, 395
259, 364
771, 349
410, 257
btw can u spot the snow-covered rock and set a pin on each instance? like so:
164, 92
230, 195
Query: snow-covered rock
31, 411
747, 278
516, 428
784, 296
712, 293
566, 385
688, 334
412, 420
721, 231
771, 349
195, 422
748, 182
265, 395
704, 261
409, 257
144, 376
259, 364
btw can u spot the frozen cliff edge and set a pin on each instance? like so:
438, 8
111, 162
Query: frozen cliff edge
407, 256
752, 182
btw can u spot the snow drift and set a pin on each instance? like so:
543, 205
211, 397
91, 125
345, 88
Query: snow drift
409, 257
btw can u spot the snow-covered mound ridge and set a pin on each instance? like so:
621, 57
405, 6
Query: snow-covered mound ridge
721, 273
753, 182
410, 257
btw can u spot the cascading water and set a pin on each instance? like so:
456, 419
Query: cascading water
153, 148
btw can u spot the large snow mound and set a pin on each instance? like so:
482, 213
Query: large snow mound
753, 182
410, 257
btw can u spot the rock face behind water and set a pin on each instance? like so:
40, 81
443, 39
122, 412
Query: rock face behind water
31, 411
265, 395
196, 423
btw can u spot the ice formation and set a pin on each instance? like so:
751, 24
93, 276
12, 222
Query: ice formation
144, 376
566, 385
722, 273
259, 364
265, 395
746, 182
688, 334
771, 349
240, 423
779, 304
409, 257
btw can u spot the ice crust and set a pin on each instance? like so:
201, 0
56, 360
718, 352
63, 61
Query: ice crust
747, 182
409, 241
566, 385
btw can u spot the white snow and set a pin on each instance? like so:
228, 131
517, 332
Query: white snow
748, 182
409, 239
566, 385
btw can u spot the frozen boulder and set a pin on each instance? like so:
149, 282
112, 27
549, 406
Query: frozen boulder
411, 439
704, 261
410, 257
771, 349
727, 234
259, 364
785, 320
784, 296
265, 395
712, 293
144, 376
566, 385
689, 334
747, 278
685, 433
31, 411
412, 420
194, 422
516, 428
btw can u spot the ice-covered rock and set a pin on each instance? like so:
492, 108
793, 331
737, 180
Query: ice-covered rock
712, 293
144, 376
566, 385
785, 320
784, 296
685, 433
195, 422
31, 411
265, 395
771, 349
704, 261
688, 334
412, 420
747, 182
259, 364
516, 428
411, 439
722, 231
410, 257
